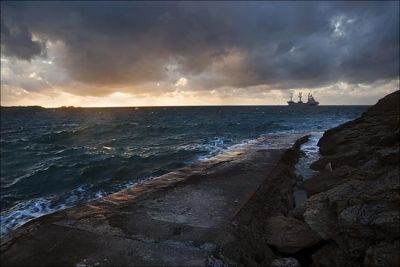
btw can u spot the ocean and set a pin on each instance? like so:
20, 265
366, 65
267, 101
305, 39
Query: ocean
52, 159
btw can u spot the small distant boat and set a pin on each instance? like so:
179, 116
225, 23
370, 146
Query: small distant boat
310, 101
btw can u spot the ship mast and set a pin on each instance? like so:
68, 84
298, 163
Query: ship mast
300, 96
291, 96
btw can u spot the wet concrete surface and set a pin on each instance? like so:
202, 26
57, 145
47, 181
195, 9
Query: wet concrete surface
179, 219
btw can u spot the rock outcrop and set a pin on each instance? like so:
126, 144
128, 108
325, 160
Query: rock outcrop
355, 206
351, 216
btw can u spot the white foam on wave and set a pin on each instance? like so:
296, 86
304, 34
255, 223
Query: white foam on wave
26, 211
217, 147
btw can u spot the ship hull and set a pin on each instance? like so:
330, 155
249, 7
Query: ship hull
303, 104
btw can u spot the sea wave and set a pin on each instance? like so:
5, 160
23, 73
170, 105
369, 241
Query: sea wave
53, 159
25, 211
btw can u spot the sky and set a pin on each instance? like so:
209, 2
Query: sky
197, 53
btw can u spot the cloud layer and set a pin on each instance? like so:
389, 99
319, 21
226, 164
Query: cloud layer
148, 47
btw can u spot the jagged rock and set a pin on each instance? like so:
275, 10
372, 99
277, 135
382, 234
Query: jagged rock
285, 262
383, 255
357, 211
289, 235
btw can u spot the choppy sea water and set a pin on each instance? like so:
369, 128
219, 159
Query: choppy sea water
56, 158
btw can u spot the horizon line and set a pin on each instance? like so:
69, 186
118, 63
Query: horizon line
250, 105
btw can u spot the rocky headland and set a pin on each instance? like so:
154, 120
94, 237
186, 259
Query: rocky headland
351, 216
355, 200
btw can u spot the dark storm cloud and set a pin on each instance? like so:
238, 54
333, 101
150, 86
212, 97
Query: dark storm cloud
17, 41
238, 44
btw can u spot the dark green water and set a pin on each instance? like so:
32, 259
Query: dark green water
54, 158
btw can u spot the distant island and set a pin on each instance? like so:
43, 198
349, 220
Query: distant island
22, 107
38, 107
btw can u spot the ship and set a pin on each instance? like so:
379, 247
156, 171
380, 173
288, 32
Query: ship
310, 101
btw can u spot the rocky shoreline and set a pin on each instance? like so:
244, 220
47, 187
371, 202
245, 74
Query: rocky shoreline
351, 216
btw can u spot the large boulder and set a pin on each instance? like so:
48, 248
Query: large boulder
289, 235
